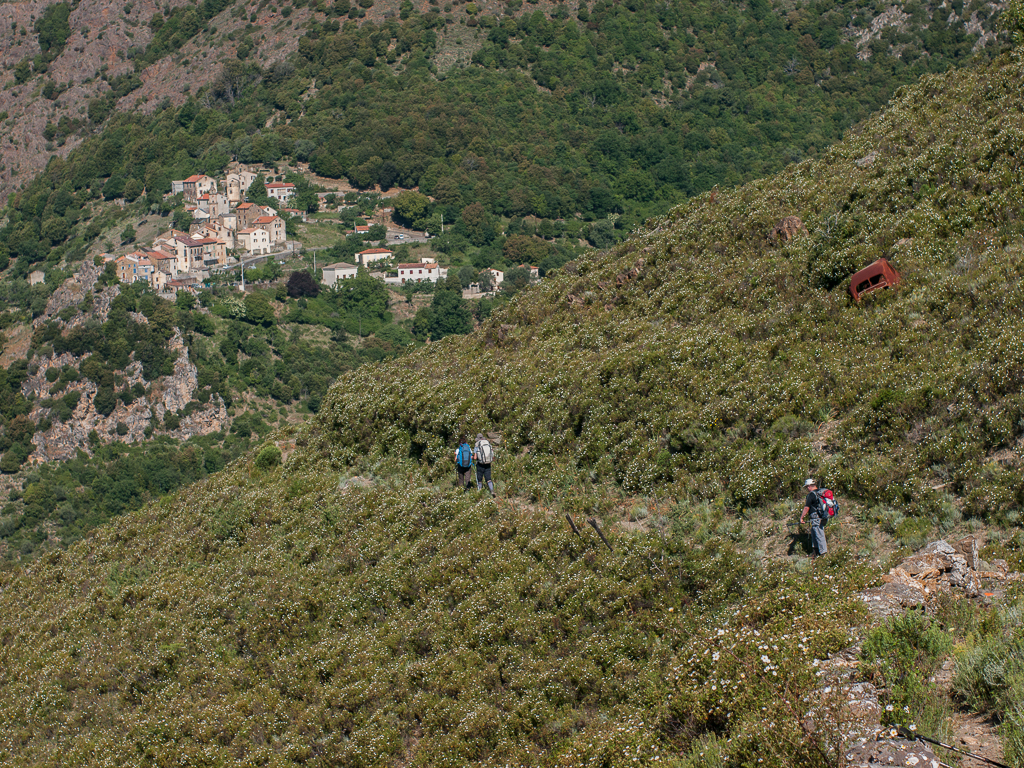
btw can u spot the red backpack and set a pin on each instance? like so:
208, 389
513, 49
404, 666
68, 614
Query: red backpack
829, 505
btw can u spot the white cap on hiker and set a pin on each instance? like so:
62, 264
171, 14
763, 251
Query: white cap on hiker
809, 482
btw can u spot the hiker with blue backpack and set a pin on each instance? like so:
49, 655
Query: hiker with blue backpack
464, 464
483, 454
821, 506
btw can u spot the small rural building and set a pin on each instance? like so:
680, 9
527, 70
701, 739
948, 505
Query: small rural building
534, 271
339, 271
370, 255
36, 276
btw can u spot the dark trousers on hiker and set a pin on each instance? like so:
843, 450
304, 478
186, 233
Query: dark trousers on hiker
465, 477
483, 473
818, 544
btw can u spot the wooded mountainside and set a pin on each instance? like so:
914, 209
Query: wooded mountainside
596, 110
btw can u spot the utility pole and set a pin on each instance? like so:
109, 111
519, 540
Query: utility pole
241, 263
442, 222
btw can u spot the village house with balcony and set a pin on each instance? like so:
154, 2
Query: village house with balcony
280, 191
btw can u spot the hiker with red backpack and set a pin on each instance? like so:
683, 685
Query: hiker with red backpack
821, 506
483, 454
463, 464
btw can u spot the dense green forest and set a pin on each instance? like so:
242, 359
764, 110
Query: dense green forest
610, 114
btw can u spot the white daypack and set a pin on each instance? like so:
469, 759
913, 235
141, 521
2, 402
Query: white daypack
485, 452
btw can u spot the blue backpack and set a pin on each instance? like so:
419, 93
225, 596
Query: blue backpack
465, 456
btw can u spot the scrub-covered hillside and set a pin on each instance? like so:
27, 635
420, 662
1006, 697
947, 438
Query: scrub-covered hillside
710, 357
287, 612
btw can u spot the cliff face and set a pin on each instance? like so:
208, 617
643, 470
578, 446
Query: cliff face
102, 33
165, 394
128, 422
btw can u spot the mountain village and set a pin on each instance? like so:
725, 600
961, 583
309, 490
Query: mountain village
229, 231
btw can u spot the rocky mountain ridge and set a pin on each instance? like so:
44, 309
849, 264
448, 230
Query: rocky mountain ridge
48, 108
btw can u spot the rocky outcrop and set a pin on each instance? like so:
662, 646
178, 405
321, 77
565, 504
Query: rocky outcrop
787, 229
844, 702
939, 568
891, 750
36, 384
175, 391
168, 394
73, 291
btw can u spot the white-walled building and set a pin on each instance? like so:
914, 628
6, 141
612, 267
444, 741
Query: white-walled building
254, 240
370, 255
281, 191
339, 271
424, 271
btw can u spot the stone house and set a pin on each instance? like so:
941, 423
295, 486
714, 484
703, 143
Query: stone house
214, 229
216, 203
214, 252
247, 213
196, 186
133, 267
188, 251
238, 182
166, 263
274, 226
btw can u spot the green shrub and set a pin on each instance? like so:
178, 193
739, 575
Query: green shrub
268, 457
901, 655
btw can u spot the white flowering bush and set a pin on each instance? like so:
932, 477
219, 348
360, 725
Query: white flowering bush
282, 618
